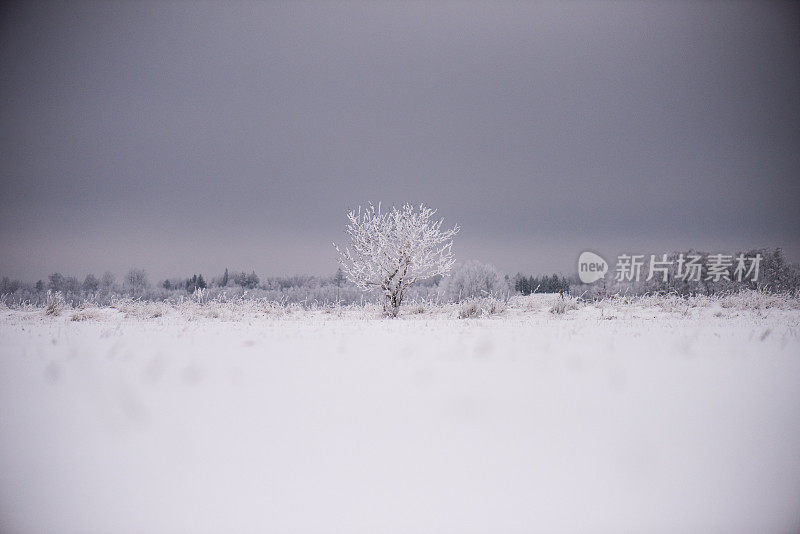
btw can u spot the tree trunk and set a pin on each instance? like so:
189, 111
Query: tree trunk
391, 304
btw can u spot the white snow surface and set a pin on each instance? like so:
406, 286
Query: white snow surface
626, 417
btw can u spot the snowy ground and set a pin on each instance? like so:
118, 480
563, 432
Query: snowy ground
609, 418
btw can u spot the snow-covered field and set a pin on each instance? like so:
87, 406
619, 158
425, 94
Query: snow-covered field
653, 416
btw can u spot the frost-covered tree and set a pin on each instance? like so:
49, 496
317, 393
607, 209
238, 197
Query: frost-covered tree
248, 281
474, 279
390, 251
136, 282
56, 282
65, 284
90, 283
107, 282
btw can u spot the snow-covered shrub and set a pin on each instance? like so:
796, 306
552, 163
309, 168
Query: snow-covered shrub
139, 309
391, 251
565, 304
200, 295
83, 315
54, 303
417, 308
474, 280
745, 299
759, 300
526, 302
479, 307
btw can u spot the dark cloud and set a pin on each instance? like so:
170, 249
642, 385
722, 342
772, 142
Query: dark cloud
184, 136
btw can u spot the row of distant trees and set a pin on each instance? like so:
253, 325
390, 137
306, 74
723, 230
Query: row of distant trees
71, 284
136, 283
544, 284
468, 280
249, 281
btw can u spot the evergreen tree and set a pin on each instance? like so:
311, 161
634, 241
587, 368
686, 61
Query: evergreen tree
191, 283
339, 278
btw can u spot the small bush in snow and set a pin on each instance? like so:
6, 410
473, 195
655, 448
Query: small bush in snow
480, 307
200, 295
564, 304
54, 303
84, 315
140, 309
417, 308
758, 300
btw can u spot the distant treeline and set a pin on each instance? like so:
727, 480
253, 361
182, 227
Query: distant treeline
526, 285
468, 280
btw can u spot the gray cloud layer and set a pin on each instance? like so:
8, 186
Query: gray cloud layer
193, 136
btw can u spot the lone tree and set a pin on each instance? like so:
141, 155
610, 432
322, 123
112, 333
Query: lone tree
392, 251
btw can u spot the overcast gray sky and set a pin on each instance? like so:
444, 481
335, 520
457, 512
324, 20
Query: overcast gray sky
186, 137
